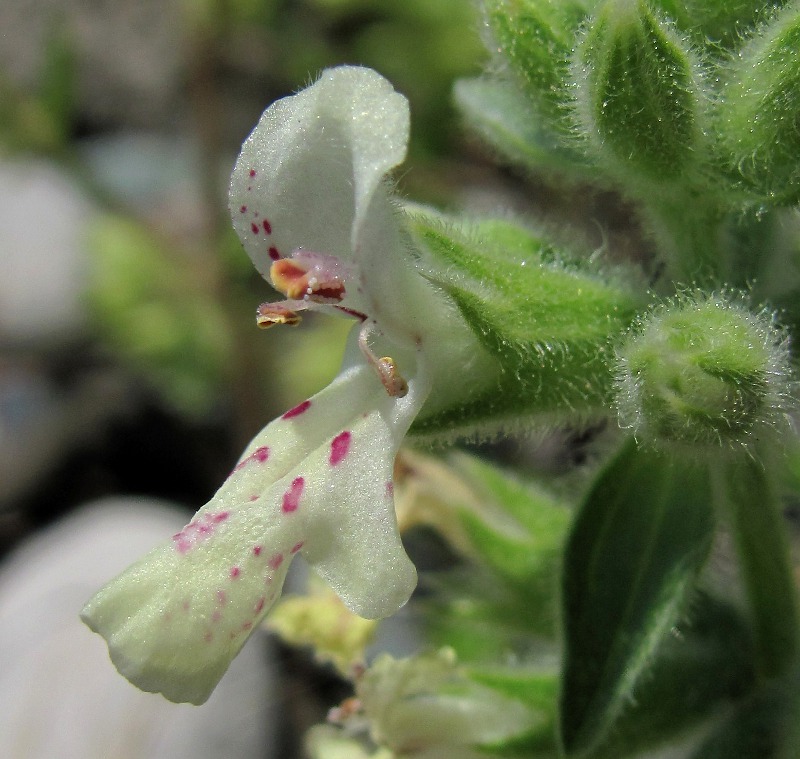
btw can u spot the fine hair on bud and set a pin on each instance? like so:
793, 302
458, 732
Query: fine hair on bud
638, 96
705, 370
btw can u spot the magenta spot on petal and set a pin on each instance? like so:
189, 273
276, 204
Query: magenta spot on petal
208, 637
235, 572
257, 550
300, 408
259, 607
222, 598
252, 172
185, 605
254, 227
216, 616
247, 625
182, 543
276, 560
259, 454
273, 253
291, 498
340, 445
390, 489
267, 227
243, 209
253, 498
297, 547
200, 528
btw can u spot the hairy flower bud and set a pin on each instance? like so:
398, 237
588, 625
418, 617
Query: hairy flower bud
637, 92
704, 370
759, 111
536, 39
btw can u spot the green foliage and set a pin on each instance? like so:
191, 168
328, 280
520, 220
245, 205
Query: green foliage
764, 727
637, 95
637, 546
759, 110
522, 554
535, 39
550, 325
745, 493
507, 591
717, 23
690, 110
701, 667
146, 308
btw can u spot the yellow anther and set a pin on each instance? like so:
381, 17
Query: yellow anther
296, 282
270, 314
392, 380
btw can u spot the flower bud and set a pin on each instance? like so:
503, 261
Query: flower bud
704, 370
637, 92
716, 23
759, 111
536, 39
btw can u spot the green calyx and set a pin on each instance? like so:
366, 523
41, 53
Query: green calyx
637, 95
549, 326
758, 117
716, 22
704, 371
536, 38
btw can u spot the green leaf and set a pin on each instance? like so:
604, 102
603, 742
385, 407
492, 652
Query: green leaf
702, 667
517, 534
766, 726
538, 690
511, 533
639, 541
484, 620
522, 544
745, 492
550, 326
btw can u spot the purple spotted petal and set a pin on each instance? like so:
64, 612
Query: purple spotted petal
316, 480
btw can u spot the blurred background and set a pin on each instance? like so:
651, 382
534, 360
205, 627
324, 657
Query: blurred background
131, 370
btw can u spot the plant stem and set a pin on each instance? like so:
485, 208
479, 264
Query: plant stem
686, 229
744, 489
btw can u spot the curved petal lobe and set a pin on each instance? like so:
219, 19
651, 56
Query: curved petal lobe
308, 172
316, 480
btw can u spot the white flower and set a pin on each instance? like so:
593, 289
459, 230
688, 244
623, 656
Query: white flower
308, 199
